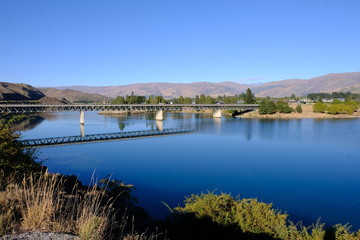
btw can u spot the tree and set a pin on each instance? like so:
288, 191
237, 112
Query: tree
319, 107
197, 99
267, 106
119, 100
283, 107
249, 97
13, 158
298, 108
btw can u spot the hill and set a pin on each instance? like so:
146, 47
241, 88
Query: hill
73, 95
24, 93
21, 92
300, 87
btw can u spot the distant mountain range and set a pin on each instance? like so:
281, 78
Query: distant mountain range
335, 82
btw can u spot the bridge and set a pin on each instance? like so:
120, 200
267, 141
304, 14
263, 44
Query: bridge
70, 140
158, 108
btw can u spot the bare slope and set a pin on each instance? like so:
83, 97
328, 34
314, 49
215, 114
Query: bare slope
72, 95
14, 91
327, 83
165, 89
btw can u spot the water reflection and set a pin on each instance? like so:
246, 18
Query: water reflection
32, 120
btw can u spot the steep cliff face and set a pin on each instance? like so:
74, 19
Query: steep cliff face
14, 91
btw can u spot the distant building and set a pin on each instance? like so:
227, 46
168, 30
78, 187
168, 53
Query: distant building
305, 100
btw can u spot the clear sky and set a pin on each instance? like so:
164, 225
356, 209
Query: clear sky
117, 42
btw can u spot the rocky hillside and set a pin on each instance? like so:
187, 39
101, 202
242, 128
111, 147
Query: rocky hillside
13, 91
327, 83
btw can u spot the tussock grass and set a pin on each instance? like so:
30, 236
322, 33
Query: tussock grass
41, 205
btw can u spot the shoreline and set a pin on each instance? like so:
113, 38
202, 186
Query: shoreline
306, 114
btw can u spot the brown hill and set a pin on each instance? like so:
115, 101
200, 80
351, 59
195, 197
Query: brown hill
73, 96
327, 83
14, 92
167, 90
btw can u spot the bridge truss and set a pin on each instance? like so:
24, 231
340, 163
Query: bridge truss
70, 140
33, 108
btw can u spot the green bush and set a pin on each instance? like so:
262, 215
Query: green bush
319, 107
249, 214
255, 218
283, 107
267, 106
354, 105
298, 109
340, 109
13, 158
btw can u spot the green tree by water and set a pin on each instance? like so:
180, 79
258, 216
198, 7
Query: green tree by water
283, 107
267, 106
319, 107
119, 100
298, 109
248, 97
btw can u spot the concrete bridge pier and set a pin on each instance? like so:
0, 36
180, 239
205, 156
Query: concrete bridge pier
82, 117
159, 125
159, 115
217, 114
82, 130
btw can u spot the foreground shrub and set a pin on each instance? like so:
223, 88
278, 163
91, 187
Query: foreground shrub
14, 160
248, 214
249, 219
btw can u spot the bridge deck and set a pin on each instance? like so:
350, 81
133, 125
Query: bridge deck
56, 141
29, 108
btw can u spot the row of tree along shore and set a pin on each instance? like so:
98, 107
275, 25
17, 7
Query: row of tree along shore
34, 200
248, 98
331, 103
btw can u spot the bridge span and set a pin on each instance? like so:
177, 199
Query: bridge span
104, 137
158, 108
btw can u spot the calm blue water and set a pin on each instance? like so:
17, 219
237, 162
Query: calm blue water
308, 168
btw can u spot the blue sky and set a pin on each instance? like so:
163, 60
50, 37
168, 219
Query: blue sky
117, 42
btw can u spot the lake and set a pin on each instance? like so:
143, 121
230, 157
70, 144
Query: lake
306, 167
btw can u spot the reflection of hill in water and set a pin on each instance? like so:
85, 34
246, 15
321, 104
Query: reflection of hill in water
32, 120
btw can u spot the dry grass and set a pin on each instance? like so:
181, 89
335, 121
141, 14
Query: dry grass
39, 204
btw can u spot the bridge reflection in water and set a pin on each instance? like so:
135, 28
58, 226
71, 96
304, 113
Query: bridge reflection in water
70, 140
